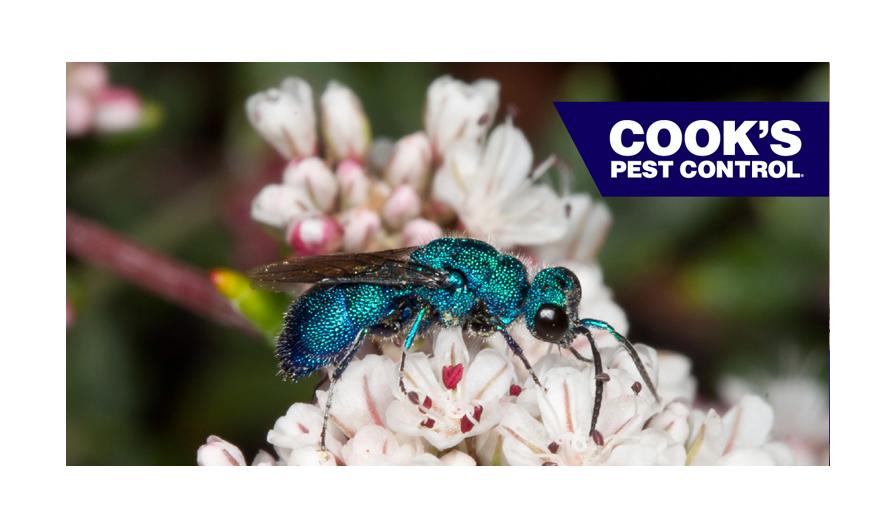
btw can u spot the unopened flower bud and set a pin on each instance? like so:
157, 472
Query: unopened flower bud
263, 459
285, 117
315, 179
410, 163
361, 228
345, 126
117, 110
217, 452
457, 112
278, 205
354, 184
78, 113
457, 458
88, 78
403, 205
420, 232
314, 236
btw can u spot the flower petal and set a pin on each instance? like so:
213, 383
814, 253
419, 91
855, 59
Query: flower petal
489, 376
363, 394
524, 438
567, 405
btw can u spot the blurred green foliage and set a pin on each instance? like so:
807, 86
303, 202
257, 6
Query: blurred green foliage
733, 283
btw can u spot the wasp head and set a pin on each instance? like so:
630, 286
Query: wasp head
551, 308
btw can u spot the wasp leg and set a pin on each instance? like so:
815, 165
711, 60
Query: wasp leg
598, 379
408, 342
599, 324
341, 364
518, 351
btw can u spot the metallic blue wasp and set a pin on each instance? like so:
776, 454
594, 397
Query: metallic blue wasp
447, 282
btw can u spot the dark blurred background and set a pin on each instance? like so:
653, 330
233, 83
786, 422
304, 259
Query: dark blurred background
736, 284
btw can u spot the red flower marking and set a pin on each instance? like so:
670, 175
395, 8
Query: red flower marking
428, 423
553, 447
515, 390
465, 424
427, 402
598, 437
451, 375
477, 413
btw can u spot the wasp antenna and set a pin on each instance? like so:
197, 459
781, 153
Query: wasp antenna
599, 324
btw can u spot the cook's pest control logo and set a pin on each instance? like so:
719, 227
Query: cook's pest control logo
702, 149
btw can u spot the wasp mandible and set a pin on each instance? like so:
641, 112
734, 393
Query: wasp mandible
447, 282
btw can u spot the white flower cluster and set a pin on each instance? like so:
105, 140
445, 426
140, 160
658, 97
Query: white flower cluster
363, 195
472, 401
472, 406
93, 105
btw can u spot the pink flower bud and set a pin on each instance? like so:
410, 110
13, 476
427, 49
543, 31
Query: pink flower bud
420, 232
403, 205
278, 205
362, 228
285, 117
345, 126
459, 112
314, 236
87, 78
217, 452
410, 163
315, 179
78, 113
354, 185
117, 110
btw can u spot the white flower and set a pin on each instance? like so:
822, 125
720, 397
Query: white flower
589, 223
457, 112
554, 427
93, 105
494, 194
402, 206
374, 445
315, 180
117, 110
420, 232
362, 228
363, 394
738, 438
278, 205
345, 125
676, 383
87, 78
217, 452
285, 117
452, 397
298, 432
410, 162
78, 113
354, 184
801, 408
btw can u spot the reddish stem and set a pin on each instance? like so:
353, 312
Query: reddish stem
179, 283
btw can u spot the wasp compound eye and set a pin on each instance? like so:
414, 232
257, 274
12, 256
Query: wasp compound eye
551, 323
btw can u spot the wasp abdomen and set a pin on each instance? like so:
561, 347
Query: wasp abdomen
326, 320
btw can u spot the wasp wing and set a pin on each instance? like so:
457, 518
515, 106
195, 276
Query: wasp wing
392, 267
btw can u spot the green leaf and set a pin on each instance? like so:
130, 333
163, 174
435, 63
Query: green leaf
262, 308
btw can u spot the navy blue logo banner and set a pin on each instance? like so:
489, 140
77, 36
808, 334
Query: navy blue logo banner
703, 148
